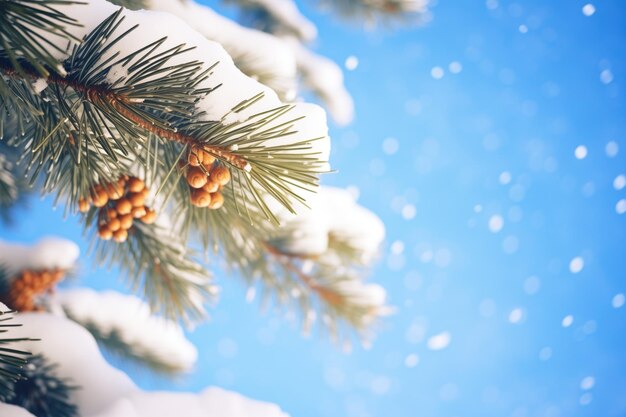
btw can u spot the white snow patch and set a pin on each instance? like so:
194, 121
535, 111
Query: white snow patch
47, 253
39, 85
107, 392
8, 410
589, 9
287, 14
261, 52
576, 265
439, 341
117, 74
130, 319
325, 79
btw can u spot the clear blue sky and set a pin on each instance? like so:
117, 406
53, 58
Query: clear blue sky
490, 142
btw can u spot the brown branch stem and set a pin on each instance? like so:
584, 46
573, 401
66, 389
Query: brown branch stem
102, 94
285, 259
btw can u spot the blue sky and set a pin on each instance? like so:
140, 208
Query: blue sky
491, 141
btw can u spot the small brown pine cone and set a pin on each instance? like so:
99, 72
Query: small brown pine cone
83, 205
138, 212
99, 197
120, 236
200, 198
217, 200
137, 199
196, 177
126, 221
105, 233
135, 185
114, 224
220, 174
149, 217
123, 206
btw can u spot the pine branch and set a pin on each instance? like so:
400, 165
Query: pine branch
130, 4
42, 392
21, 24
160, 264
103, 124
9, 188
12, 361
117, 345
386, 11
341, 297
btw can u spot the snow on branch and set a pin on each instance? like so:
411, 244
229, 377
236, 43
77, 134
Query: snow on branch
285, 15
49, 253
107, 392
325, 252
384, 11
325, 79
125, 324
259, 55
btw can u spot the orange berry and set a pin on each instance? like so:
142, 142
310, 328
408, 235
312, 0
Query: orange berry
120, 235
110, 213
99, 197
220, 174
149, 217
200, 198
217, 200
206, 158
137, 199
123, 206
193, 159
126, 221
196, 177
114, 224
105, 233
211, 186
135, 185
83, 205
144, 192
115, 191
138, 212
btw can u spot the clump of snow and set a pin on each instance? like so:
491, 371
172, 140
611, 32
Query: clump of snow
107, 392
129, 318
39, 85
76, 353
8, 410
286, 13
48, 253
334, 213
325, 79
89, 14
117, 73
260, 52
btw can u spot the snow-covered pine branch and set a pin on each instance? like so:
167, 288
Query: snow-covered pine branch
107, 392
124, 325
144, 88
317, 259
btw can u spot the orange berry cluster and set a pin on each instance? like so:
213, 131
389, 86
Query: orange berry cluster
26, 287
206, 178
119, 203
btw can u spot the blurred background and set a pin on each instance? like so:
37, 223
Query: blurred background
492, 142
